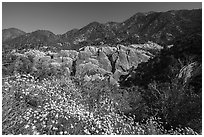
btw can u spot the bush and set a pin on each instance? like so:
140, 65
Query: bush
175, 104
59, 106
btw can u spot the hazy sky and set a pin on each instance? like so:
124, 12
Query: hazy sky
61, 17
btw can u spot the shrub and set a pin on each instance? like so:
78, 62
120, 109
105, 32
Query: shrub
174, 104
59, 106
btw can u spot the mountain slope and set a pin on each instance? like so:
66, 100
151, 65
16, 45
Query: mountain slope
11, 33
35, 39
162, 27
159, 27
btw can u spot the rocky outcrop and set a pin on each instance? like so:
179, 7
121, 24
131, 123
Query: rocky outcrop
122, 62
89, 62
84, 55
104, 62
118, 74
87, 68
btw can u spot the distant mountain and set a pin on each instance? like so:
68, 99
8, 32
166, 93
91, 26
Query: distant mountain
11, 33
159, 27
69, 34
90, 34
163, 27
35, 39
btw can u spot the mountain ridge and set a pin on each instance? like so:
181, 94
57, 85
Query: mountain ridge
11, 33
159, 27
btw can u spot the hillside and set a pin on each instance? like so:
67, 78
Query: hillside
11, 33
172, 82
159, 27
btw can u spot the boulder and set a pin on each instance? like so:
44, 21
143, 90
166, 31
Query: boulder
104, 61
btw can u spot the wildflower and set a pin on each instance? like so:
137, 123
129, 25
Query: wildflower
26, 126
35, 132
55, 128
87, 132
33, 127
57, 115
34, 121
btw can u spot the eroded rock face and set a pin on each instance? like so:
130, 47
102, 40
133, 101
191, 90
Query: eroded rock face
109, 50
122, 62
87, 68
90, 49
93, 61
84, 55
118, 73
104, 62
90, 61
114, 61
132, 57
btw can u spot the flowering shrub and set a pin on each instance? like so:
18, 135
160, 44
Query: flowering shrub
61, 107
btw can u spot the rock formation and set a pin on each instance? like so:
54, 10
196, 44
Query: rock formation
90, 62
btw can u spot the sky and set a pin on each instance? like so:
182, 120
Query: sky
63, 16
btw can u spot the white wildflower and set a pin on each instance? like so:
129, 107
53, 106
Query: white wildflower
26, 126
